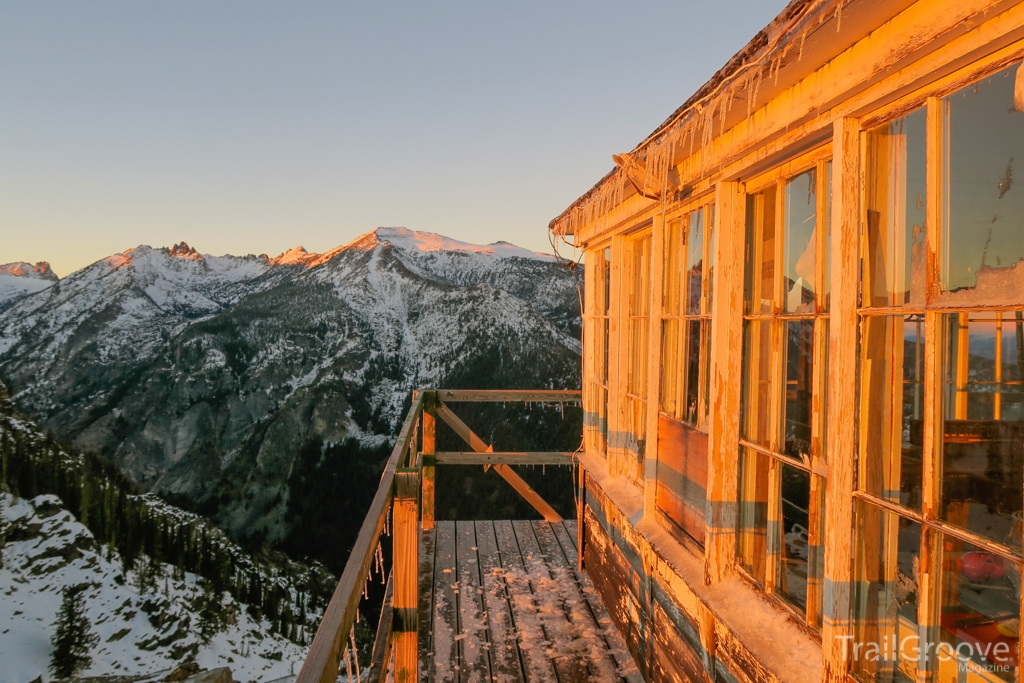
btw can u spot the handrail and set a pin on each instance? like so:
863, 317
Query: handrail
323, 660
324, 657
509, 396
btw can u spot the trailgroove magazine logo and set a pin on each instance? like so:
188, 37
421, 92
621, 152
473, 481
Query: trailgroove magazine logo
996, 657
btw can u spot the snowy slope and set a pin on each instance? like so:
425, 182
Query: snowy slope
139, 633
205, 376
19, 279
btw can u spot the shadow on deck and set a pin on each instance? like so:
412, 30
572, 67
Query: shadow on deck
503, 601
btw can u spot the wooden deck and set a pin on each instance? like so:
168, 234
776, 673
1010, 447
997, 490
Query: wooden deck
502, 601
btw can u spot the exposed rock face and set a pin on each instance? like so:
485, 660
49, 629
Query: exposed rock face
204, 376
19, 279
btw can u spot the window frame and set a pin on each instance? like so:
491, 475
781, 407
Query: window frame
815, 465
934, 309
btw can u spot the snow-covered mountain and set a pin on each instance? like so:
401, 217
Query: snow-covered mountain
139, 631
203, 376
19, 279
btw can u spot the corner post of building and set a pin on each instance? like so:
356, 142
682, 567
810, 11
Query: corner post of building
429, 427
406, 567
726, 367
837, 627
654, 365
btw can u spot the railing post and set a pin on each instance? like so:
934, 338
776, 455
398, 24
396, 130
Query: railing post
429, 423
406, 567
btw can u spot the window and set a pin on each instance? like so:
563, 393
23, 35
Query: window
596, 417
941, 445
685, 370
686, 317
783, 387
638, 331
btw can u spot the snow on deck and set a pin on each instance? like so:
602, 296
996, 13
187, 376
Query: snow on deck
503, 601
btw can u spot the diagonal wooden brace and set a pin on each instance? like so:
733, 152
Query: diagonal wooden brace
506, 472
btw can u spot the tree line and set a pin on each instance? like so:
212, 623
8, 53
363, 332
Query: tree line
143, 530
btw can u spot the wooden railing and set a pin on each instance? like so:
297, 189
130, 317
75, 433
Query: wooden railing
406, 491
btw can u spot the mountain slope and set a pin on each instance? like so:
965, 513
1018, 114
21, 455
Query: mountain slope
203, 377
19, 279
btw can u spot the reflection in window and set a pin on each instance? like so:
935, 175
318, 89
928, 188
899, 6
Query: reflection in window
799, 364
758, 387
983, 425
596, 418
797, 567
885, 599
983, 231
979, 615
752, 534
894, 233
686, 321
799, 262
694, 262
639, 326
892, 406
759, 289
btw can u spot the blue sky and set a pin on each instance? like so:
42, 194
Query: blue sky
254, 127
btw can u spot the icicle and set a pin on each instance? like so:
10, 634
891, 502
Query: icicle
378, 557
352, 640
803, 37
348, 664
839, 15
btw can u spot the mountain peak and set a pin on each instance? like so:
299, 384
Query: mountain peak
40, 271
433, 242
293, 257
182, 250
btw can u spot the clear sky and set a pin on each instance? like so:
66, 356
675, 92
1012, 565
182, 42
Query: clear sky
253, 127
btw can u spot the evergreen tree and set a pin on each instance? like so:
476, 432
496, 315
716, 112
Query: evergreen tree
3, 530
73, 636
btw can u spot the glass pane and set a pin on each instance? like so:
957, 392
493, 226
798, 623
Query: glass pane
759, 289
800, 243
640, 300
827, 284
606, 302
671, 280
983, 430
671, 372
711, 254
799, 364
795, 511
756, 397
983, 234
694, 261
707, 368
979, 616
887, 579
636, 382
752, 535
894, 235
892, 407
693, 351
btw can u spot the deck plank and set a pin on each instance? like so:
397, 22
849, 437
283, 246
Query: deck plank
503, 601
533, 642
426, 604
506, 666
446, 607
588, 642
627, 668
473, 641
551, 604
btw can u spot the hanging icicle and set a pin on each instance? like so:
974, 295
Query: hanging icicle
352, 640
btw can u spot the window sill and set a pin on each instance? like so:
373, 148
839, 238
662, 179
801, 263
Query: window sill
749, 628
